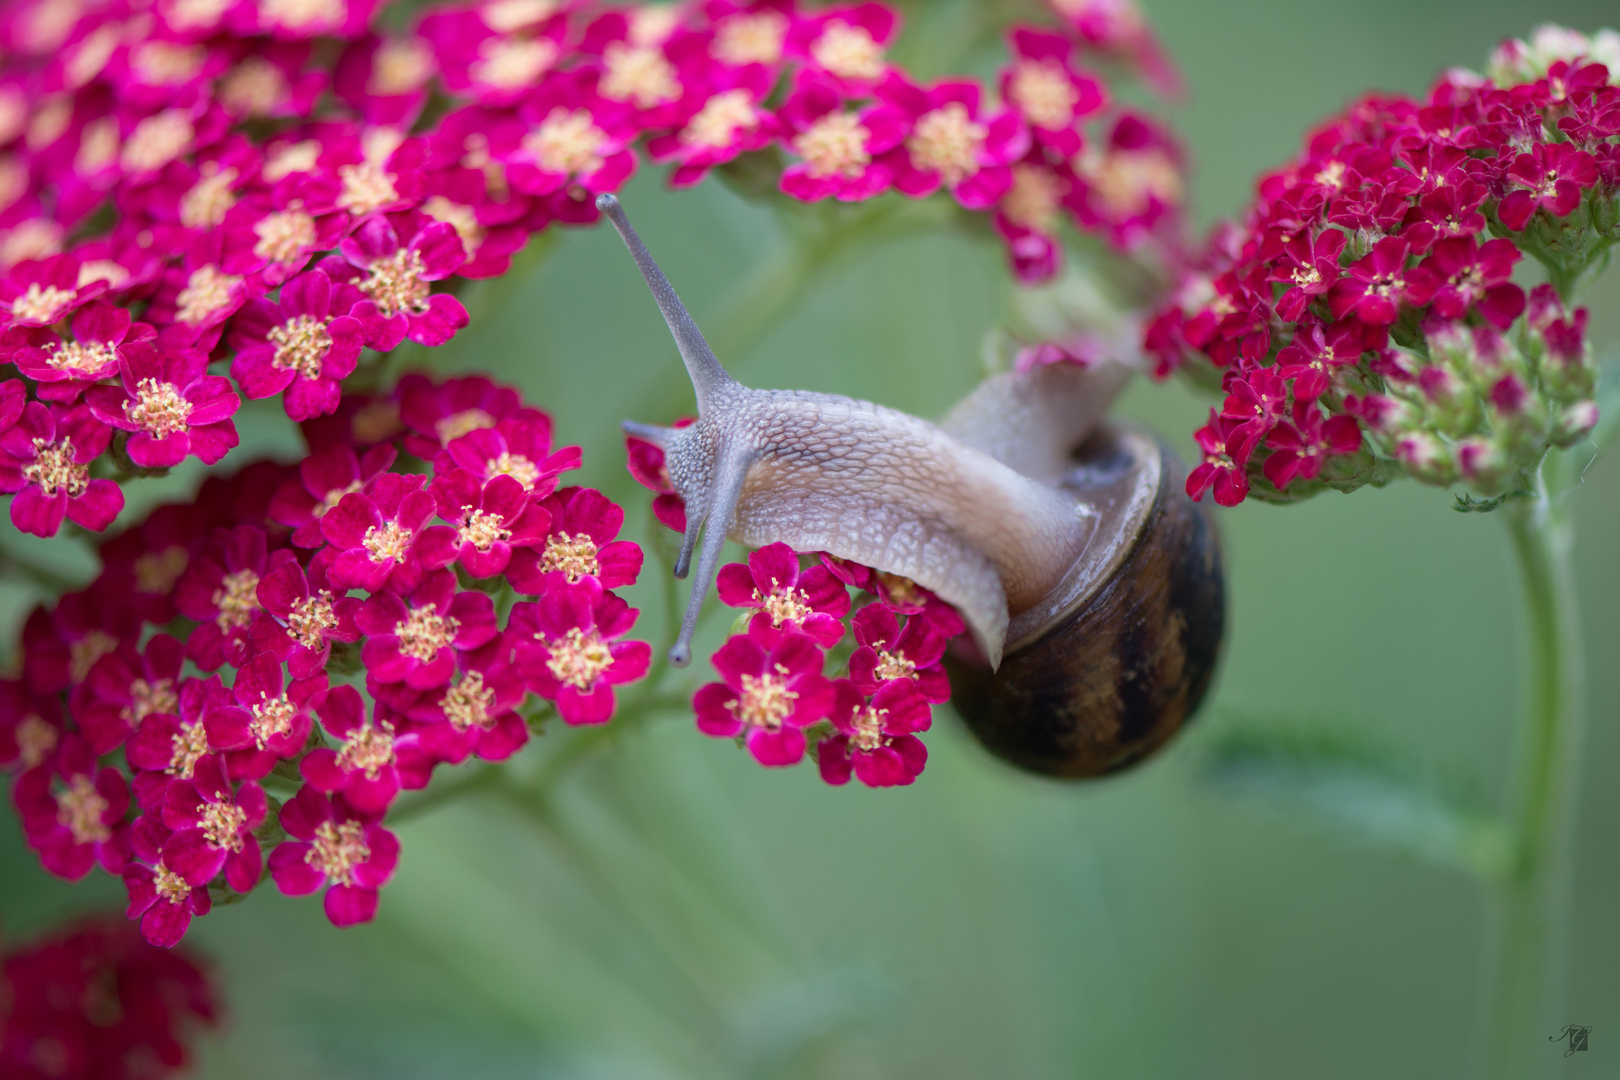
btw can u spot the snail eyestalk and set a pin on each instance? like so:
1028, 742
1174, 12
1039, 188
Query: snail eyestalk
708, 376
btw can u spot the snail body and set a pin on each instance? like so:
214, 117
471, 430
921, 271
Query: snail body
1090, 584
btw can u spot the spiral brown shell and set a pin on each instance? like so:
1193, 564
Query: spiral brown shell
1109, 667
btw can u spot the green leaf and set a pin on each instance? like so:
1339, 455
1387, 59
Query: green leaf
1467, 504
1367, 794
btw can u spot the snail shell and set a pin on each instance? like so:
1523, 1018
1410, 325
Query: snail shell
1110, 665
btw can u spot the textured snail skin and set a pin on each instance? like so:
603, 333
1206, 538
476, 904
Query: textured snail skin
1118, 671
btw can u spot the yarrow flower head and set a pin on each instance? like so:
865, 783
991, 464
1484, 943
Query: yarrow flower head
1368, 327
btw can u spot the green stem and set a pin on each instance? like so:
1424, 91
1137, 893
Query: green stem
1527, 969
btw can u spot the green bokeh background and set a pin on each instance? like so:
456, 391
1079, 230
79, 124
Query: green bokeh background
676, 911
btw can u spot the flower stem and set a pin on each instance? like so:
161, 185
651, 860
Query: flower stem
1526, 974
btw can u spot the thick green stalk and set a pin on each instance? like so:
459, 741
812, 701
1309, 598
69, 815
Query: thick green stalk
1527, 970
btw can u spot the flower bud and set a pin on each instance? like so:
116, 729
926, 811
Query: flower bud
1574, 423
1450, 405
1426, 458
1482, 463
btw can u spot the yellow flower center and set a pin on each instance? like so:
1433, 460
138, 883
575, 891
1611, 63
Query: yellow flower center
206, 203
237, 599
639, 74
301, 342
366, 187
299, 157
766, 700
272, 717
516, 466
400, 66
835, 145
157, 571
1033, 200
575, 556
1044, 93
370, 748
157, 140
579, 659
894, 666
169, 885
483, 530
83, 358
83, 653
848, 51
1126, 181
98, 146
468, 701
718, 122
750, 39
35, 740
253, 88
463, 219
221, 824
304, 14
146, 698
785, 605
395, 284
947, 141
207, 292
510, 63
55, 471
868, 724
337, 849
284, 235
454, 426
387, 542
424, 632
190, 744
42, 303
311, 618
509, 15
567, 141
79, 808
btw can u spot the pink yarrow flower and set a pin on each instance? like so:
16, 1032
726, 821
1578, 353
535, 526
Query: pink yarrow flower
213, 823
876, 738
337, 847
297, 344
264, 720
575, 137
366, 769
841, 152
888, 653
1553, 176
1043, 85
373, 534
845, 45
62, 369
812, 602
414, 639
220, 590
324, 478
1301, 449
73, 811
309, 613
567, 648
170, 404
167, 746
952, 143
125, 687
163, 902
45, 457
39, 292
491, 520
769, 696
395, 277
732, 121
579, 542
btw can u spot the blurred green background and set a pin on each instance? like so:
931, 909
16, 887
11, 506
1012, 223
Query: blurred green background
673, 910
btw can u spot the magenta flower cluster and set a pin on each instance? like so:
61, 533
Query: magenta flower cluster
95, 1002
213, 664
775, 696
1364, 314
193, 189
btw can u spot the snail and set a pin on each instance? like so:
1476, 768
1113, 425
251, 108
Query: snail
1091, 584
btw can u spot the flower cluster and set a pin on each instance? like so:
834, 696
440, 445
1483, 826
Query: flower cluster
95, 1002
202, 700
799, 623
190, 190
1364, 315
